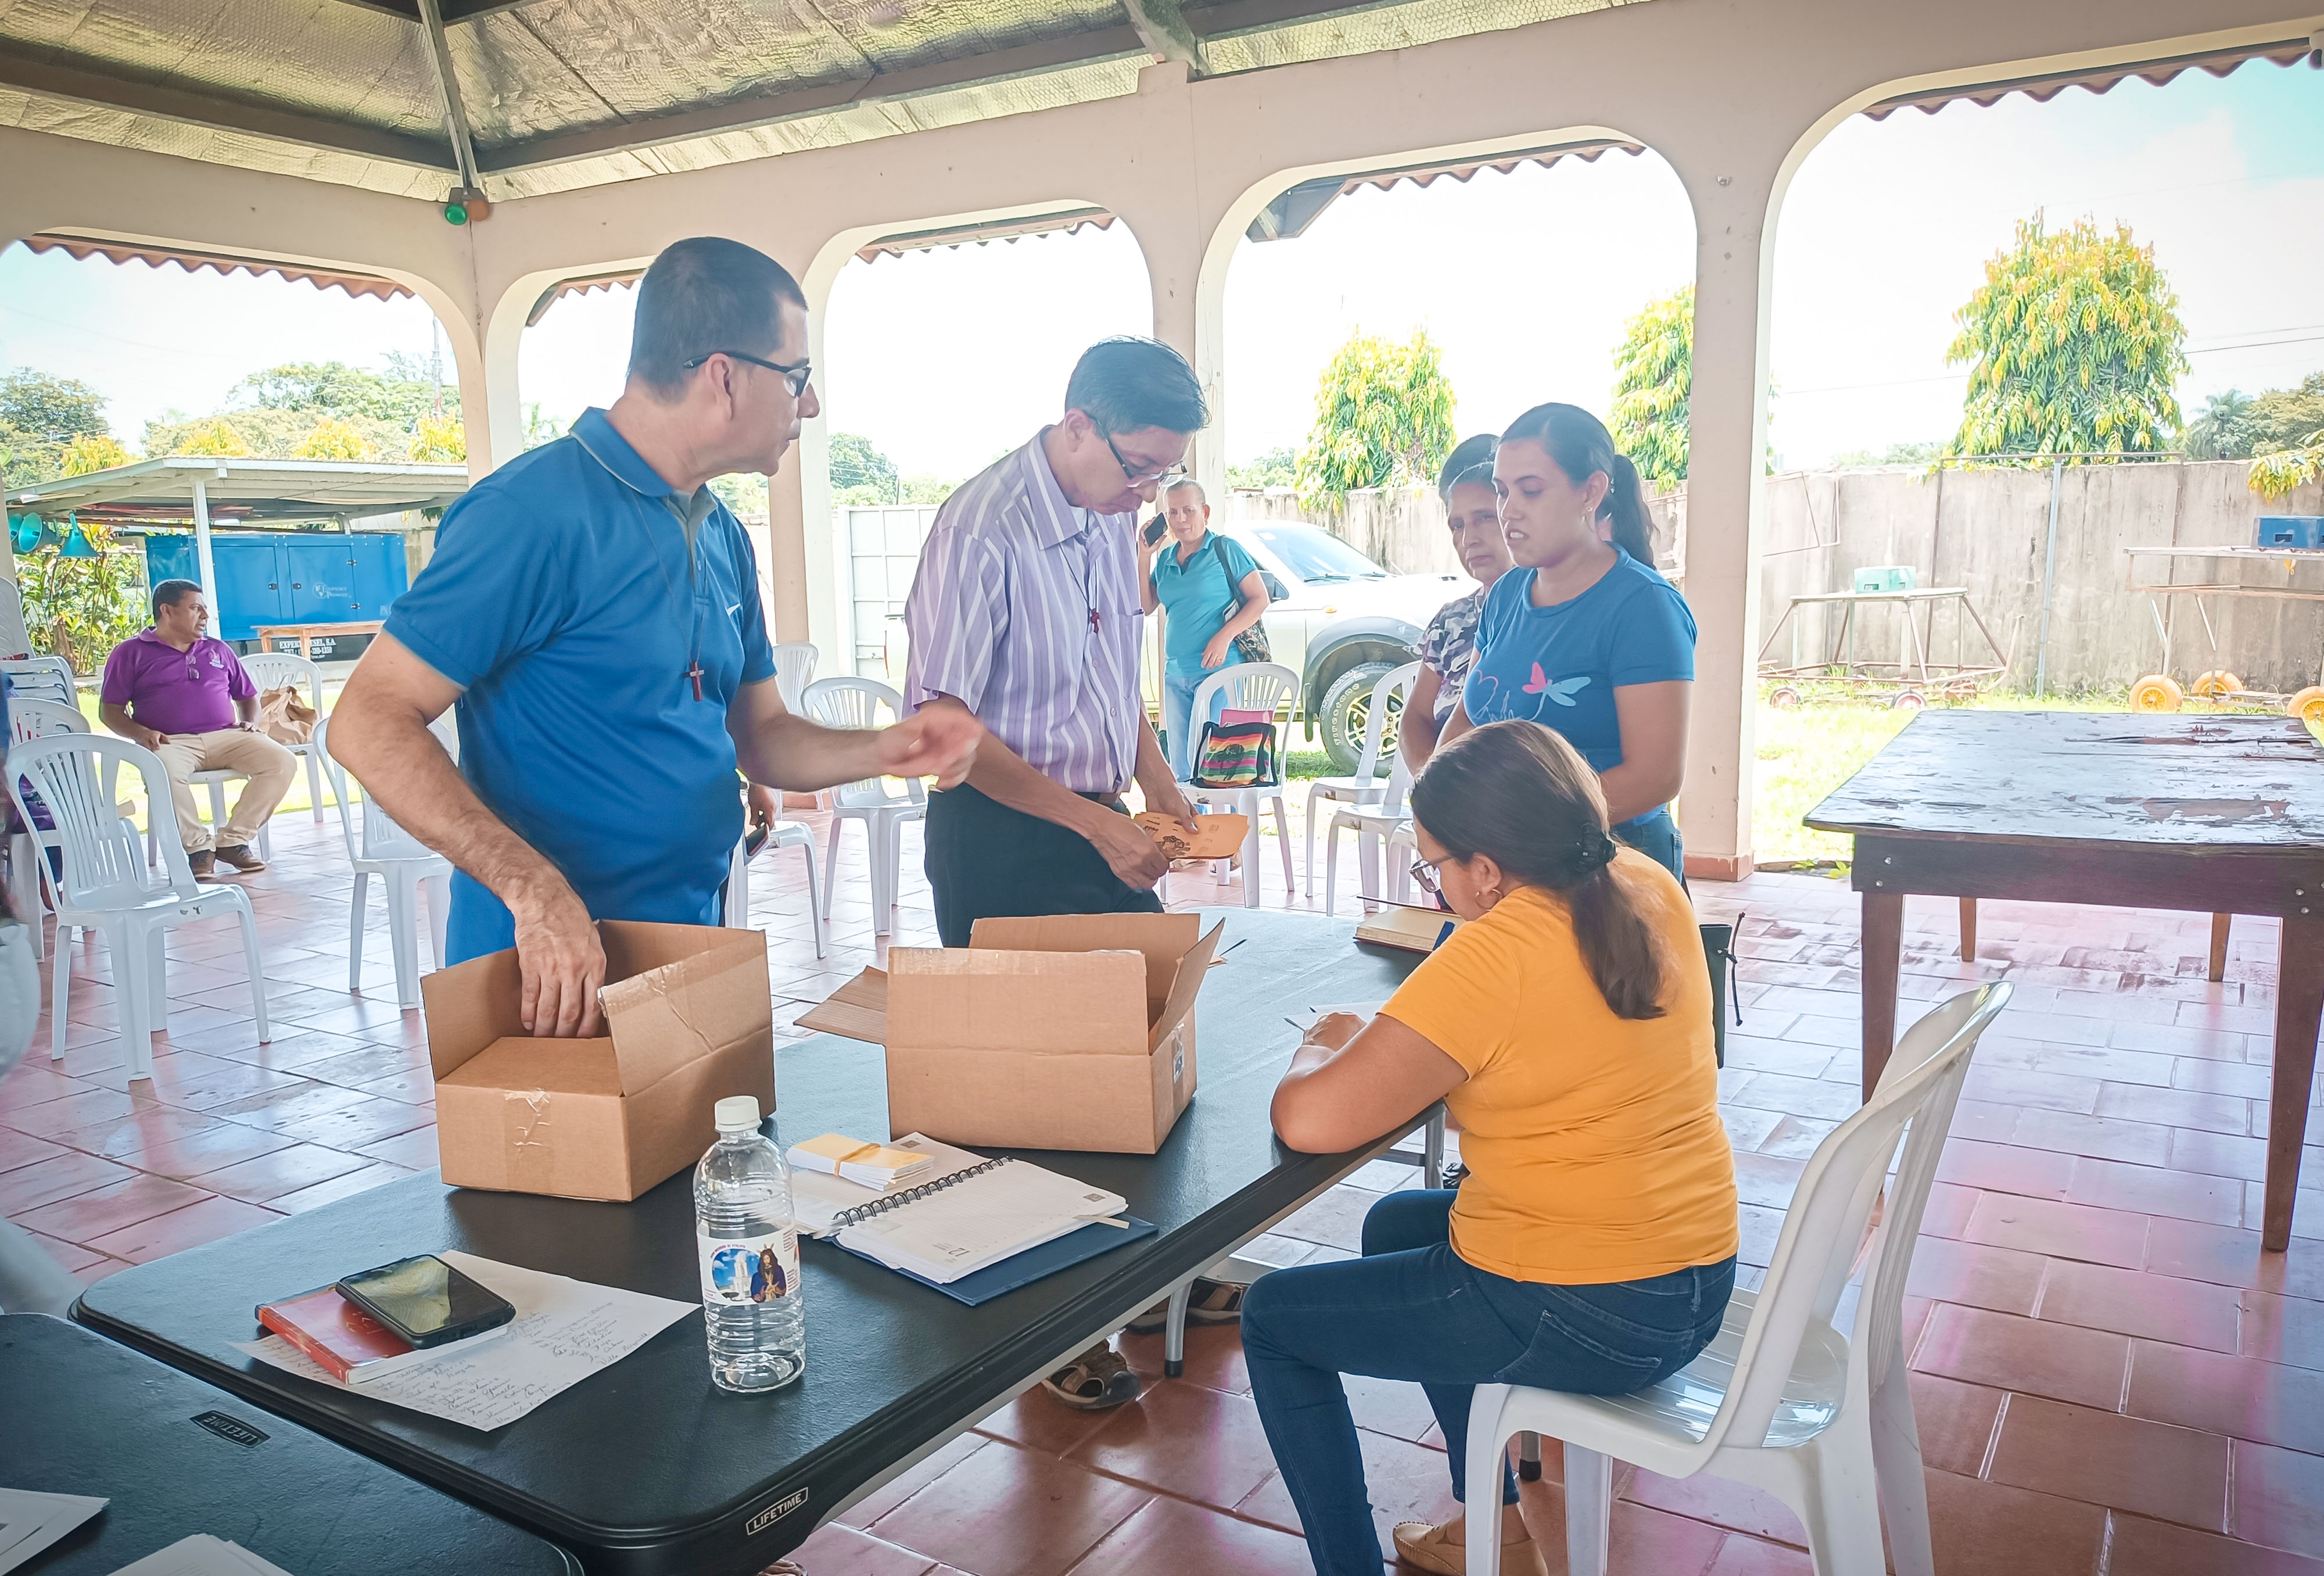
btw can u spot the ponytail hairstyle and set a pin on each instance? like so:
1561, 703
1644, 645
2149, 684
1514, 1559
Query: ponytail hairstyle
1519, 792
1579, 445
1471, 462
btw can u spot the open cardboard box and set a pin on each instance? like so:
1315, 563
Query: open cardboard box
688, 1022
1071, 1032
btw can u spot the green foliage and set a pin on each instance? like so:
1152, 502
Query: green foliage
278, 434
1383, 419
334, 438
2074, 344
1895, 454
79, 609
746, 496
441, 440
2284, 418
333, 388
92, 451
1277, 467
925, 489
539, 429
2223, 431
861, 474
1654, 374
42, 406
2274, 475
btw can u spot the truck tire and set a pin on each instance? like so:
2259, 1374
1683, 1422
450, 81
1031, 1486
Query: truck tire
1346, 710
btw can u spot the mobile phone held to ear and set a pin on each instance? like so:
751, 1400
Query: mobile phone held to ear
426, 1301
1155, 528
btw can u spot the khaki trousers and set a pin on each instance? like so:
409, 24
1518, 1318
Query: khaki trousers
270, 768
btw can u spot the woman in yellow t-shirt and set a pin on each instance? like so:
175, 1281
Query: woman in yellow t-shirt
1592, 1247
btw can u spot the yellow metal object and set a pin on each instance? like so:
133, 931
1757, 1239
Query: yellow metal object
2155, 693
2219, 681
2308, 705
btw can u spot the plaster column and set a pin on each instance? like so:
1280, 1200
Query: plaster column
1735, 195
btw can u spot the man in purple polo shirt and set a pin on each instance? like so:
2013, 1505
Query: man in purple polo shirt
185, 698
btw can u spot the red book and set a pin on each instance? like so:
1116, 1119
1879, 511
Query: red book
349, 1343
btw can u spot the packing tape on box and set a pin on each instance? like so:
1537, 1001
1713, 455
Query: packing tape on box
528, 1140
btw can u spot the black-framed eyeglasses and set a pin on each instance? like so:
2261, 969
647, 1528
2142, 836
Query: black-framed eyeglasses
798, 375
1140, 478
1423, 870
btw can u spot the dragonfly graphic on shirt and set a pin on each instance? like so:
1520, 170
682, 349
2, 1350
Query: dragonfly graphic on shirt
1562, 692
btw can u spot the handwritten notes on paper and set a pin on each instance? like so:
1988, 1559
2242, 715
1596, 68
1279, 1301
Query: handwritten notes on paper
565, 1331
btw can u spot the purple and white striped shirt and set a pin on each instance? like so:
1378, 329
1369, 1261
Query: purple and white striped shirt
1025, 609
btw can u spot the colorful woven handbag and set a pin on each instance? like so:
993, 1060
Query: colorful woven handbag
1233, 755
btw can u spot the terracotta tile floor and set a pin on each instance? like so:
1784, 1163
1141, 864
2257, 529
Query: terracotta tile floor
2110, 1377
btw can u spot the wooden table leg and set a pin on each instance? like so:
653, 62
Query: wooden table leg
2220, 924
1969, 929
1882, 948
2299, 1004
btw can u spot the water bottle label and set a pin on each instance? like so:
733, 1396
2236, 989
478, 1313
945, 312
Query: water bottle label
736, 1270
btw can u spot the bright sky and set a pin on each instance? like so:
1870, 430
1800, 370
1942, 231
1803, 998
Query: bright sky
946, 358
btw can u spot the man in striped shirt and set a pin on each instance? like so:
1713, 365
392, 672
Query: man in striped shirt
1025, 614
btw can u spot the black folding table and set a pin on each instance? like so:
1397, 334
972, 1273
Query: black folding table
177, 1457
645, 1467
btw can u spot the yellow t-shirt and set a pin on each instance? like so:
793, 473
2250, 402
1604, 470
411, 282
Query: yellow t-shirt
1593, 1142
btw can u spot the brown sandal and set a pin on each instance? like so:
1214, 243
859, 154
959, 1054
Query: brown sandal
1096, 1379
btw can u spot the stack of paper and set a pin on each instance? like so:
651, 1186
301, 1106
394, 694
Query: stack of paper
31, 1522
564, 1331
869, 1165
202, 1555
819, 1198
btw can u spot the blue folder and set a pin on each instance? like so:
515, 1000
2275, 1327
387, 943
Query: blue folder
1023, 1268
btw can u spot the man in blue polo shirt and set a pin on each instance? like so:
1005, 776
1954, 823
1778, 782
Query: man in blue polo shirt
594, 611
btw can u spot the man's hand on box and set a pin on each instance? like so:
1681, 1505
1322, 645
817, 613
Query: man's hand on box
1134, 857
938, 741
561, 963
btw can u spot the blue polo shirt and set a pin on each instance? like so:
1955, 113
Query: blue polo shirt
1562, 665
563, 599
1198, 597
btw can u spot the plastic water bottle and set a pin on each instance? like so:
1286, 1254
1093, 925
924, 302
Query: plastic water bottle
752, 1304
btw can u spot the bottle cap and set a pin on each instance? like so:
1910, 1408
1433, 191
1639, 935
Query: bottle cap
736, 1113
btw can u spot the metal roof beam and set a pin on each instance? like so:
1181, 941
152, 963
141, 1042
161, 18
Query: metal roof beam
21, 70
447, 92
453, 10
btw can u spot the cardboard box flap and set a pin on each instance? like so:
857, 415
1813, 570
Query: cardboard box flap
471, 1006
687, 1009
520, 1064
857, 1011
1189, 980
1162, 938
981, 999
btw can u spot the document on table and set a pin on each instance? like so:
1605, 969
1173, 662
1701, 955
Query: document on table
31, 1522
819, 1199
202, 1555
565, 1331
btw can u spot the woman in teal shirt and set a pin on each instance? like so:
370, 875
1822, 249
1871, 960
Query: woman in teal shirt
1584, 636
1210, 591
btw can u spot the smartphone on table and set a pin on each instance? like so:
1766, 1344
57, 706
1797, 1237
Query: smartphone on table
426, 1301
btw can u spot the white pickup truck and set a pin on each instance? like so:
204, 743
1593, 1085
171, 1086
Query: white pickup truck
1339, 621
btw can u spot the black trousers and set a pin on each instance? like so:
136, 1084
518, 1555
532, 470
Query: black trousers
986, 859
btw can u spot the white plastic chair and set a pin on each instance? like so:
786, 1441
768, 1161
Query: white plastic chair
29, 880
785, 834
856, 703
1781, 1400
107, 886
1381, 830
795, 663
272, 671
1366, 786
404, 865
1247, 686
48, 678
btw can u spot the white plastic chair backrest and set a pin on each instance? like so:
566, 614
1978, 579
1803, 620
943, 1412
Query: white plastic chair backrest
381, 838
1249, 686
1394, 686
13, 638
104, 856
1816, 1252
856, 703
273, 669
1399, 784
48, 678
40, 719
795, 663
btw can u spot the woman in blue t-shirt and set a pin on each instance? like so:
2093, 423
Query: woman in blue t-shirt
1584, 635
1210, 591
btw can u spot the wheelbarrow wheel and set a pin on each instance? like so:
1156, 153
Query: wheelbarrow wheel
2308, 705
1908, 700
2218, 685
1784, 698
2157, 692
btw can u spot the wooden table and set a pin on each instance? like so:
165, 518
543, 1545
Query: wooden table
2218, 814
305, 633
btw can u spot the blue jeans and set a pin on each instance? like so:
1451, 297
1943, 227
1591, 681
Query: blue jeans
1412, 1309
1179, 728
1656, 835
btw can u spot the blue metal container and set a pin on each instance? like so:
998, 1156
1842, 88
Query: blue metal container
2299, 532
286, 577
